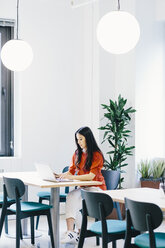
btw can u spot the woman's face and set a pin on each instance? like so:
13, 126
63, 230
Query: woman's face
81, 141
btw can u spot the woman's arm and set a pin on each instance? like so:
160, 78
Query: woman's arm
63, 175
86, 177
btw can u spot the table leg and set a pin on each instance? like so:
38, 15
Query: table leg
25, 221
55, 213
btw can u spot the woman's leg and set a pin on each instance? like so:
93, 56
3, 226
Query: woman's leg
73, 205
78, 218
73, 214
70, 224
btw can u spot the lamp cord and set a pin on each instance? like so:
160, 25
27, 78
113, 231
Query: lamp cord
118, 5
17, 19
92, 67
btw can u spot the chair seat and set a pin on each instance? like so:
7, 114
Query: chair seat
63, 195
113, 226
43, 194
142, 240
30, 206
1, 200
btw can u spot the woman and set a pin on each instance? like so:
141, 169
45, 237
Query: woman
87, 162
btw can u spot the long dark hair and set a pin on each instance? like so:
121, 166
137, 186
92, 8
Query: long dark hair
91, 146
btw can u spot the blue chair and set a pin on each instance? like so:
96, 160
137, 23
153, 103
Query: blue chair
14, 189
144, 217
45, 195
99, 205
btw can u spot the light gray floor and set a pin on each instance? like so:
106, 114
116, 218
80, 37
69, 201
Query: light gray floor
43, 241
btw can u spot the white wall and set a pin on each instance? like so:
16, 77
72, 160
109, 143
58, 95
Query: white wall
150, 84
160, 7
53, 84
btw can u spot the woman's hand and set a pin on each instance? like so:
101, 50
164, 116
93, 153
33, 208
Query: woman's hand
56, 175
86, 177
66, 175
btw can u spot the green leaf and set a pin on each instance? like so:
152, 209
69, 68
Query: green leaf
105, 134
110, 152
111, 143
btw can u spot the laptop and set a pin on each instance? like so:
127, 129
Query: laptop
46, 173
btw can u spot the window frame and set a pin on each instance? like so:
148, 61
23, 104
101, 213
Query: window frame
7, 95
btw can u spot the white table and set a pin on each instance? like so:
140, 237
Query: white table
138, 194
32, 179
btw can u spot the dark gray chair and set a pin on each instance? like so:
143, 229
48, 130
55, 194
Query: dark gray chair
144, 217
99, 205
14, 189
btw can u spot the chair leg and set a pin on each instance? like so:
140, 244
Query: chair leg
37, 220
105, 243
114, 244
32, 229
6, 224
50, 229
18, 222
3, 215
97, 238
81, 241
21, 236
97, 241
82, 232
104, 236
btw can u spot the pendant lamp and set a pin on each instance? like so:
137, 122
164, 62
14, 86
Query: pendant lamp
16, 54
118, 31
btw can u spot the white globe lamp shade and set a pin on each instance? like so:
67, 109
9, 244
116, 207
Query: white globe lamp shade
118, 32
16, 55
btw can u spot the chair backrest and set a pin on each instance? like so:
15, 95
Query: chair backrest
13, 185
93, 200
65, 170
139, 213
111, 178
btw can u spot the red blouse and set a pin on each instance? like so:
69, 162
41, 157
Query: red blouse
97, 165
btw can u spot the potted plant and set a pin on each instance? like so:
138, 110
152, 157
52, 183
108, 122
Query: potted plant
116, 134
151, 172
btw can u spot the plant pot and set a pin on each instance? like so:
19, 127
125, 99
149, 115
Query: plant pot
150, 182
111, 178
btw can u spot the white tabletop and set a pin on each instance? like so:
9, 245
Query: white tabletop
139, 194
32, 178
